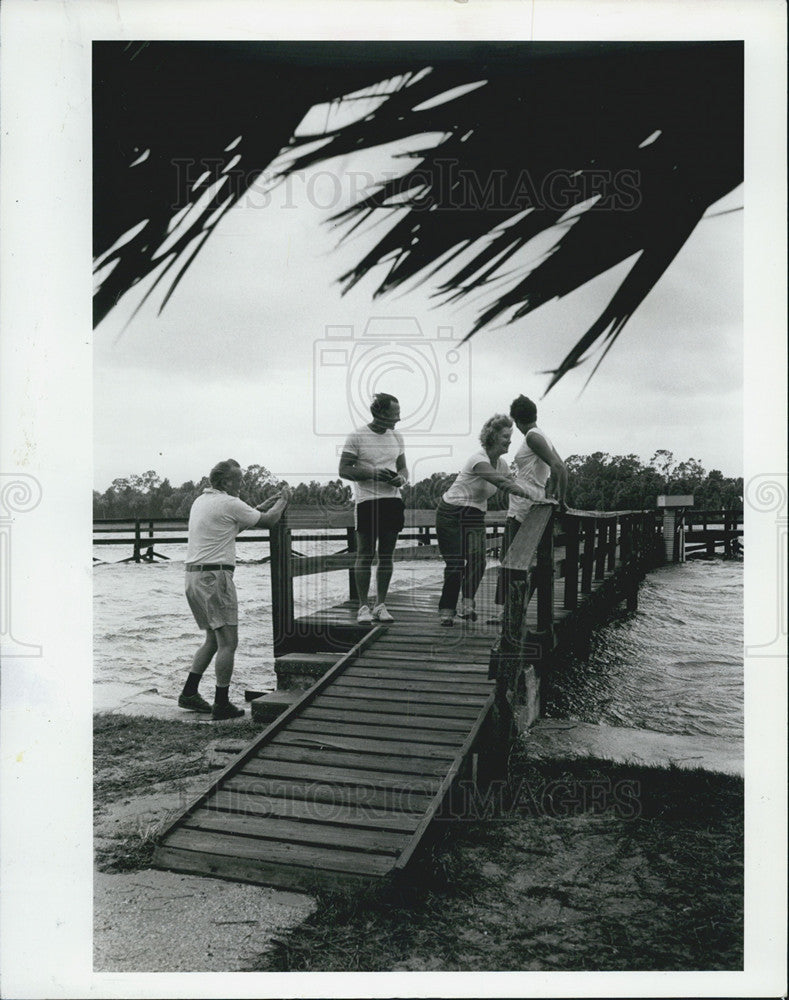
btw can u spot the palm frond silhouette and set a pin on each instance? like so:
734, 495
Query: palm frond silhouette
616, 150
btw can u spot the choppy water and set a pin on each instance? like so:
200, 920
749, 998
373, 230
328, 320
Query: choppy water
673, 666
144, 635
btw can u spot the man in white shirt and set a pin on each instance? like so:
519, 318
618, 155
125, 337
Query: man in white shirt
216, 517
373, 459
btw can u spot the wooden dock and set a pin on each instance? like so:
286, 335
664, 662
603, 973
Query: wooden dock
344, 785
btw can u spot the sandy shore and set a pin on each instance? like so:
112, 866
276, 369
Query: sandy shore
146, 920
550, 885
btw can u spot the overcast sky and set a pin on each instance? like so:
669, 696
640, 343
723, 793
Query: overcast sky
240, 362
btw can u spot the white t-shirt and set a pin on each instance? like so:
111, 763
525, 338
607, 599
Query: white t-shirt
379, 450
214, 521
532, 473
470, 489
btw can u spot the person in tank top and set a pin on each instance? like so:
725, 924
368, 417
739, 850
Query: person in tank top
540, 472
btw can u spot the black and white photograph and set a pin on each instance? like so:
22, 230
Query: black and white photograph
428, 617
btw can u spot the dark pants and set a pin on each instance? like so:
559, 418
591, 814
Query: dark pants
461, 541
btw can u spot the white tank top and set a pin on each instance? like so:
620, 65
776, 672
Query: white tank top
531, 473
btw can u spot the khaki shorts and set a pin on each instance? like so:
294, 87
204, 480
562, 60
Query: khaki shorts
212, 598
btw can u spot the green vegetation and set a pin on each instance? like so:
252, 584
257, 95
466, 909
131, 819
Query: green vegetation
597, 482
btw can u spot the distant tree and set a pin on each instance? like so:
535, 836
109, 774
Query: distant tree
596, 482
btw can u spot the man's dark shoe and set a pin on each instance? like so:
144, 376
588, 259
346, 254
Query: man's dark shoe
228, 711
194, 702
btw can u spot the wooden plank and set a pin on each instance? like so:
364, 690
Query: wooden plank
400, 694
434, 669
333, 741
319, 812
229, 845
417, 680
396, 636
449, 640
462, 657
279, 723
257, 872
523, 548
446, 784
404, 655
398, 719
412, 707
297, 832
346, 796
417, 670
426, 784
369, 761
340, 727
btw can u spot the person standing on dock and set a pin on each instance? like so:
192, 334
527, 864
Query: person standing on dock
460, 518
216, 517
539, 471
373, 459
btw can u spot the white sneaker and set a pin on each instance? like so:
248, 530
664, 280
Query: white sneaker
380, 614
364, 615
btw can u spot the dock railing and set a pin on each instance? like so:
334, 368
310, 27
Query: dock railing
706, 530
584, 549
578, 547
299, 524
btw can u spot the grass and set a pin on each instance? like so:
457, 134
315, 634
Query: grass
581, 865
571, 885
131, 753
134, 755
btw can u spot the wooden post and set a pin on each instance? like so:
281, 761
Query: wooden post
629, 560
601, 537
587, 567
281, 586
611, 555
149, 553
515, 601
625, 540
545, 578
728, 534
137, 542
572, 528
352, 592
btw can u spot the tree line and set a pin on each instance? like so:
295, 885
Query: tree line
596, 482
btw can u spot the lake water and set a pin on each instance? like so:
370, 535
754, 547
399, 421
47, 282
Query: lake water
674, 666
144, 635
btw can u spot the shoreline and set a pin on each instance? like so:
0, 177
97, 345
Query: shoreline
507, 891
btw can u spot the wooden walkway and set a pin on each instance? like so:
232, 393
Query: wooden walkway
343, 786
